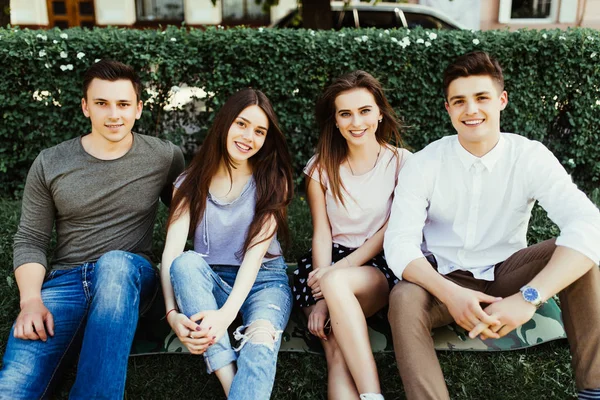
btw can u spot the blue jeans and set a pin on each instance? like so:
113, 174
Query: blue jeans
199, 287
95, 305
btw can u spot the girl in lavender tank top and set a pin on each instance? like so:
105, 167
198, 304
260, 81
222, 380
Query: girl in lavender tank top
232, 199
350, 186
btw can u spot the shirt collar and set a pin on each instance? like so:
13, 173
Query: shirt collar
489, 160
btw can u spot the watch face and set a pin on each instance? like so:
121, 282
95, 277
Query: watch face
530, 294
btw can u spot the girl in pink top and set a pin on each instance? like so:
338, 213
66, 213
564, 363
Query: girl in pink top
350, 188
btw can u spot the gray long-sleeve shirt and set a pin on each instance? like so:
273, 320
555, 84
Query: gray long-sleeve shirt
96, 205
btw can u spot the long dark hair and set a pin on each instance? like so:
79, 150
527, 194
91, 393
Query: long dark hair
271, 167
332, 148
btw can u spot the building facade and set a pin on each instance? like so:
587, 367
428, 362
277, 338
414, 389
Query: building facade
475, 14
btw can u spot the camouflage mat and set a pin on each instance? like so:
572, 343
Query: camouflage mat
154, 335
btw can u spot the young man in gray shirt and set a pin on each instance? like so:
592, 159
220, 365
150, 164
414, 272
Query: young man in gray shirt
101, 192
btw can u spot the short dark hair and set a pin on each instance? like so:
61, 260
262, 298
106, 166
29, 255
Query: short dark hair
111, 70
474, 63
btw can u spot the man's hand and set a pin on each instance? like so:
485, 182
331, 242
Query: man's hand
33, 321
317, 318
512, 312
189, 333
464, 306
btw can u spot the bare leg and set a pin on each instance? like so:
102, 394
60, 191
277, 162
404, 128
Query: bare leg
351, 293
340, 384
225, 376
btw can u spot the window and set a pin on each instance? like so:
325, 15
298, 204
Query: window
378, 19
344, 19
244, 12
528, 11
159, 10
426, 21
68, 13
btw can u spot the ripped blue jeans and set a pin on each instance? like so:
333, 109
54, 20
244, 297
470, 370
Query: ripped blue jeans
199, 287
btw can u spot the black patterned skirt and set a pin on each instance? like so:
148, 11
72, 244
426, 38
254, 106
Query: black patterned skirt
302, 292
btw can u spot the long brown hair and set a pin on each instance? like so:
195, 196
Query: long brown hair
271, 168
332, 148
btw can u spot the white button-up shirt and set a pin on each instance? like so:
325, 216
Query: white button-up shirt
472, 212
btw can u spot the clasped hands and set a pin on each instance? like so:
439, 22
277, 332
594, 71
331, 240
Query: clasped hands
198, 336
499, 318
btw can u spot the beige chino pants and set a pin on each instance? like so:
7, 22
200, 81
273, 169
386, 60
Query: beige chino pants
414, 312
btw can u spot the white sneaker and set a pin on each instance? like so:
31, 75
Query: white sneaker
371, 396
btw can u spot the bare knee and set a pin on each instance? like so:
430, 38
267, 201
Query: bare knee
332, 281
261, 332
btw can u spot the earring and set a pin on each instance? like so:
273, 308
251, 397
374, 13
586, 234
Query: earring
380, 119
336, 125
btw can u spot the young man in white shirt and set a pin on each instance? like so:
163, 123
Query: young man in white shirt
457, 237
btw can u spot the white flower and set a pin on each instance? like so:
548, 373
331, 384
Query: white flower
544, 36
42, 53
590, 38
70, 67
175, 89
476, 42
386, 32
173, 39
571, 163
47, 65
357, 39
427, 44
432, 35
96, 60
64, 36
420, 41
562, 37
312, 33
593, 55
364, 38
381, 35
261, 29
55, 41
43, 37
342, 35
394, 40
80, 55
163, 32
295, 91
63, 68
63, 54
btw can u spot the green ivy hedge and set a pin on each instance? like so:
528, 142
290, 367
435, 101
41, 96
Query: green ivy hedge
552, 78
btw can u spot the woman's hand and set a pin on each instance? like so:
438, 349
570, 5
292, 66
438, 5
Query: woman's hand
190, 334
214, 322
317, 318
314, 281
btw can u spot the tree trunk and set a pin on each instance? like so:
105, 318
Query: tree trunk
317, 14
4, 13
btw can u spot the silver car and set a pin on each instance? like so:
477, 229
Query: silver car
379, 15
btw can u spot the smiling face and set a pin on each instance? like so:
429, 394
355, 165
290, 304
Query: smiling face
112, 108
474, 104
357, 115
247, 134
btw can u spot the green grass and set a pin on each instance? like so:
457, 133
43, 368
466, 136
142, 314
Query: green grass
541, 372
